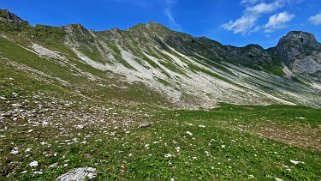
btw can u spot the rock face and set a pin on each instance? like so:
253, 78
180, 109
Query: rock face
78, 174
301, 52
9, 17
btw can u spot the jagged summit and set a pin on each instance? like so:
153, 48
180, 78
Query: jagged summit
7, 16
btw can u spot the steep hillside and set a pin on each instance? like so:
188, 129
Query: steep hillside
150, 63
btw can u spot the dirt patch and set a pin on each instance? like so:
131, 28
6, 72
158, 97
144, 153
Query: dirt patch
299, 136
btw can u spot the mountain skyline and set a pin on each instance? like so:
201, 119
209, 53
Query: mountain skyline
232, 23
186, 70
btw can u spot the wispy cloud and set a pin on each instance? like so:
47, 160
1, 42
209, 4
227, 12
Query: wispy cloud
278, 21
316, 19
168, 11
171, 18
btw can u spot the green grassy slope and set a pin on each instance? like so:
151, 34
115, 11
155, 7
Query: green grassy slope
227, 143
10, 51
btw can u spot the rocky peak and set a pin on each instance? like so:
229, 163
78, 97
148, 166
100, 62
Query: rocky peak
298, 38
300, 51
75, 27
7, 16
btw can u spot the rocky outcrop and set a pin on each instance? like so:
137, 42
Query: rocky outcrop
301, 52
6, 16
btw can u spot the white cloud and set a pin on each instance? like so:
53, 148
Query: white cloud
247, 23
262, 8
243, 25
278, 21
316, 19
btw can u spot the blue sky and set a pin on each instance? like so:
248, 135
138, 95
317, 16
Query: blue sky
233, 22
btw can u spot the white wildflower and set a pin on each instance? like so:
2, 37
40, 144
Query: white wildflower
168, 155
189, 133
178, 149
295, 162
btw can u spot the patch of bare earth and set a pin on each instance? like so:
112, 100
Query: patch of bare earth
299, 136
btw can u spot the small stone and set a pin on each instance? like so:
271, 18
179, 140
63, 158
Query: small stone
14, 151
53, 165
37, 172
144, 125
33, 164
79, 126
16, 105
189, 133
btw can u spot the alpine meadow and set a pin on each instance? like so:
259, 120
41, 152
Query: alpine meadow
151, 103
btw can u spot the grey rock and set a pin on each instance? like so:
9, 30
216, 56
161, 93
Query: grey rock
301, 52
144, 125
78, 174
9, 17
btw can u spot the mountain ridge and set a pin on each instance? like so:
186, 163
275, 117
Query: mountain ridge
187, 71
13, 18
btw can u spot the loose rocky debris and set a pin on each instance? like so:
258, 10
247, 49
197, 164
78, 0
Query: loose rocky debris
79, 174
